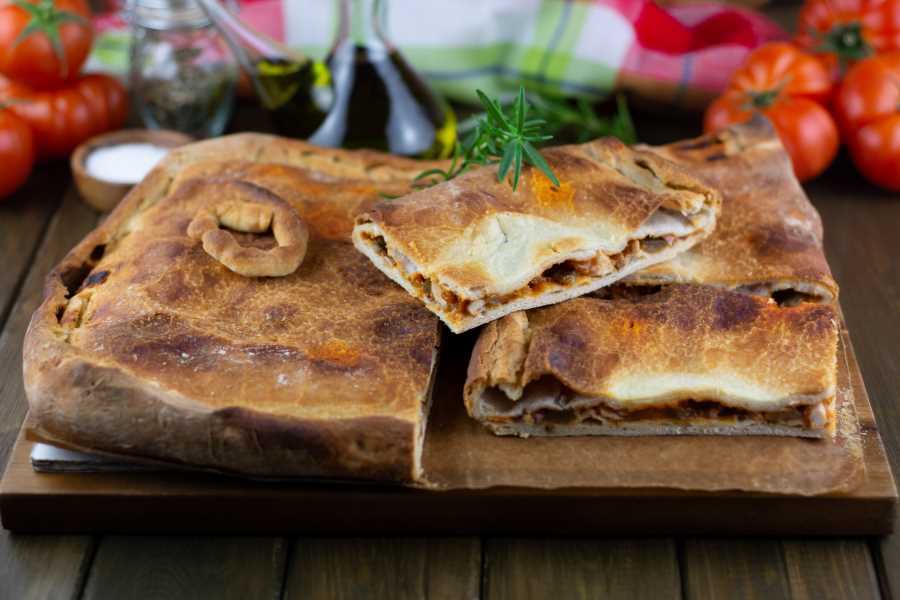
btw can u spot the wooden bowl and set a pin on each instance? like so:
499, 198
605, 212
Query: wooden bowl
100, 193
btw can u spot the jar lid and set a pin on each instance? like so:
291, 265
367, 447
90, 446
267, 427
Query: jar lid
167, 14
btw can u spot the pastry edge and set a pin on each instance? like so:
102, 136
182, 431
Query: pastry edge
554, 297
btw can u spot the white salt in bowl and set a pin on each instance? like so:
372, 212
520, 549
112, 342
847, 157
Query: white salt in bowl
106, 166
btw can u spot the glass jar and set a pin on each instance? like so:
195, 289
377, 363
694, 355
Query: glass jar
182, 76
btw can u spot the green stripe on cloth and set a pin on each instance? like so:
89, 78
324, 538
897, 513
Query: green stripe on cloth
558, 33
560, 58
547, 24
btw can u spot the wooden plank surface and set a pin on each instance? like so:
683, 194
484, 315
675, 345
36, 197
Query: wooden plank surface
835, 569
23, 558
239, 568
748, 570
540, 568
389, 568
862, 242
43, 566
23, 220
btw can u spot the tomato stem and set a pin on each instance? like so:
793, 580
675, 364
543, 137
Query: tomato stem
760, 100
764, 99
46, 18
846, 41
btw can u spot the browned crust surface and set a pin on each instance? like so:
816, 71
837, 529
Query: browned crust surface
612, 348
767, 232
144, 345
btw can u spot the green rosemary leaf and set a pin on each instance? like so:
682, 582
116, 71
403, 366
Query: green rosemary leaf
624, 130
506, 161
535, 158
494, 112
501, 137
520, 109
432, 172
517, 165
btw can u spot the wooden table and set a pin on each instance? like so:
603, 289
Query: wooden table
42, 221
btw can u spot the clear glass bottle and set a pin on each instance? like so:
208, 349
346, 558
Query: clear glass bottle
182, 76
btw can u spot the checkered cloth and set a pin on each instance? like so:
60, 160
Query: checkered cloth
681, 55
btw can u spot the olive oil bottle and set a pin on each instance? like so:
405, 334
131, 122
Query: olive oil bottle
379, 100
294, 89
297, 95
363, 95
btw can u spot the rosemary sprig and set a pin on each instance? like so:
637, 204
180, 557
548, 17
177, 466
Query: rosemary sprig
503, 138
575, 120
580, 119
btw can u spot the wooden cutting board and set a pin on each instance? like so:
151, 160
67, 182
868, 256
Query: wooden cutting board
183, 502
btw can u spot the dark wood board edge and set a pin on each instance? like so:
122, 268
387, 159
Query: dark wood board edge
381, 511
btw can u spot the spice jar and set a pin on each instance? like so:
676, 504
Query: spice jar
182, 76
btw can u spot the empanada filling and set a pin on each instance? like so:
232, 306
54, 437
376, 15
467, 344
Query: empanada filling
546, 401
660, 232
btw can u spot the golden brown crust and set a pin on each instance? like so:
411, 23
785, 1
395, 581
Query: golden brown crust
246, 207
146, 345
484, 250
683, 342
768, 233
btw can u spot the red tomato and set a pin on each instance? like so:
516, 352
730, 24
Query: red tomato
61, 119
16, 152
57, 40
787, 85
867, 106
848, 30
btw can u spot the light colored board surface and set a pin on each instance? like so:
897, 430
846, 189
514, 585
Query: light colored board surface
389, 568
538, 568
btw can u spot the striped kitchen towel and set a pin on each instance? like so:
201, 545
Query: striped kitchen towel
680, 55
